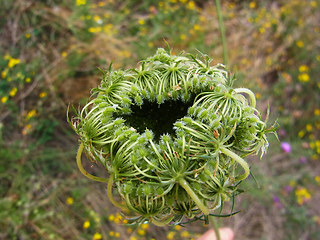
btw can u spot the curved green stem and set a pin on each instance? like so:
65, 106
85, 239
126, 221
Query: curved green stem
183, 183
161, 223
250, 94
110, 196
215, 226
83, 171
239, 160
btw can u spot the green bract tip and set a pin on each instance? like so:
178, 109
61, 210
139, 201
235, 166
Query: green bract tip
171, 134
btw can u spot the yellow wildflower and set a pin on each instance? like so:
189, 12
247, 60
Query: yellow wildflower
27, 35
170, 235
303, 68
101, 4
304, 77
258, 95
177, 227
318, 58
191, 5
145, 226
81, 2
4, 73
141, 21
301, 134
141, 232
13, 92
95, 29
317, 112
125, 221
31, 114
117, 220
4, 99
185, 234
86, 224
64, 54
133, 238
111, 217
117, 234
97, 236
252, 4
231, 5
197, 27
312, 145
183, 36
125, 53
317, 179
309, 127
231, 15
267, 24
262, 29
313, 4
28, 80
300, 44
302, 195
111, 233
97, 19
12, 62
69, 201
43, 94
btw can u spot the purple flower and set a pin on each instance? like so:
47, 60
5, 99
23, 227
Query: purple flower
286, 147
303, 160
288, 189
277, 202
276, 199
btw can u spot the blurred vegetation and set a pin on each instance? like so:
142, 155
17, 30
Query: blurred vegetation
49, 54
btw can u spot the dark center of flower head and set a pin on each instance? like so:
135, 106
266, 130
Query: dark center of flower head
158, 118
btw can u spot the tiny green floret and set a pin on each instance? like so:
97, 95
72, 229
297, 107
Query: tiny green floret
172, 136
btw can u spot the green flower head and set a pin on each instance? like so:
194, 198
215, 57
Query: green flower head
172, 135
